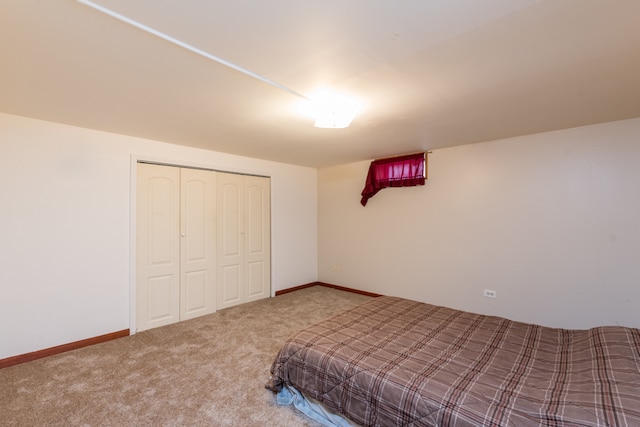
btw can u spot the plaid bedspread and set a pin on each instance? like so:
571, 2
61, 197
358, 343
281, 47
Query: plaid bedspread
396, 362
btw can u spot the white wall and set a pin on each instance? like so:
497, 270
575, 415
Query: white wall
65, 219
549, 221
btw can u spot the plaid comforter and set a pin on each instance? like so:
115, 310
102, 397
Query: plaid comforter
396, 362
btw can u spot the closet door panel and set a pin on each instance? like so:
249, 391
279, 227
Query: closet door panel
258, 237
255, 280
160, 299
198, 238
195, 294
231, 286
230, 220
231, 275
158, 246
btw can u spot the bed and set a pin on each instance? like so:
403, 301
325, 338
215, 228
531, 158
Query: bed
397, 362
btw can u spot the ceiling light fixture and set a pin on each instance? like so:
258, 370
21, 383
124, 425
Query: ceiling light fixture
333, 111
330, 110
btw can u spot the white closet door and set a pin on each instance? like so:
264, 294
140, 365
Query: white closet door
203, 242
244, 239
257, 237
198, 243
158, 246
230, 239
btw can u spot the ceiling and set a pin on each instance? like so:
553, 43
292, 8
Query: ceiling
430, 74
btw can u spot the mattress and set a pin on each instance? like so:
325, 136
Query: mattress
397, 362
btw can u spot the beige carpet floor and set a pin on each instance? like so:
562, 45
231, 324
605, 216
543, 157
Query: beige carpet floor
208, 371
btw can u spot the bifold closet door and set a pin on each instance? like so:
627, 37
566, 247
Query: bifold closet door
176, 244
157, 246
197, 243
257, 237
244, 239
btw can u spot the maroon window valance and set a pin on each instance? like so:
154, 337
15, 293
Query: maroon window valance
401, 171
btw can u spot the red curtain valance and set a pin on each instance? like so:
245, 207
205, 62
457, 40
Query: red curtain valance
401, 171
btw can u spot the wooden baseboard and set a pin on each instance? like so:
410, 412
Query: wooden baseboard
327, 285
296, 288
28, 357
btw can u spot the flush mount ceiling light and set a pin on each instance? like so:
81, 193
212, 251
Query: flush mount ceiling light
330, 110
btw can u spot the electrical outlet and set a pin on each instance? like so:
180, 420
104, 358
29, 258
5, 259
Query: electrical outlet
490, 293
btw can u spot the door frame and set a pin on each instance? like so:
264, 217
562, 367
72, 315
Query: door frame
133, 181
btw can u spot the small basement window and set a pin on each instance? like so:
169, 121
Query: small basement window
401, 171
